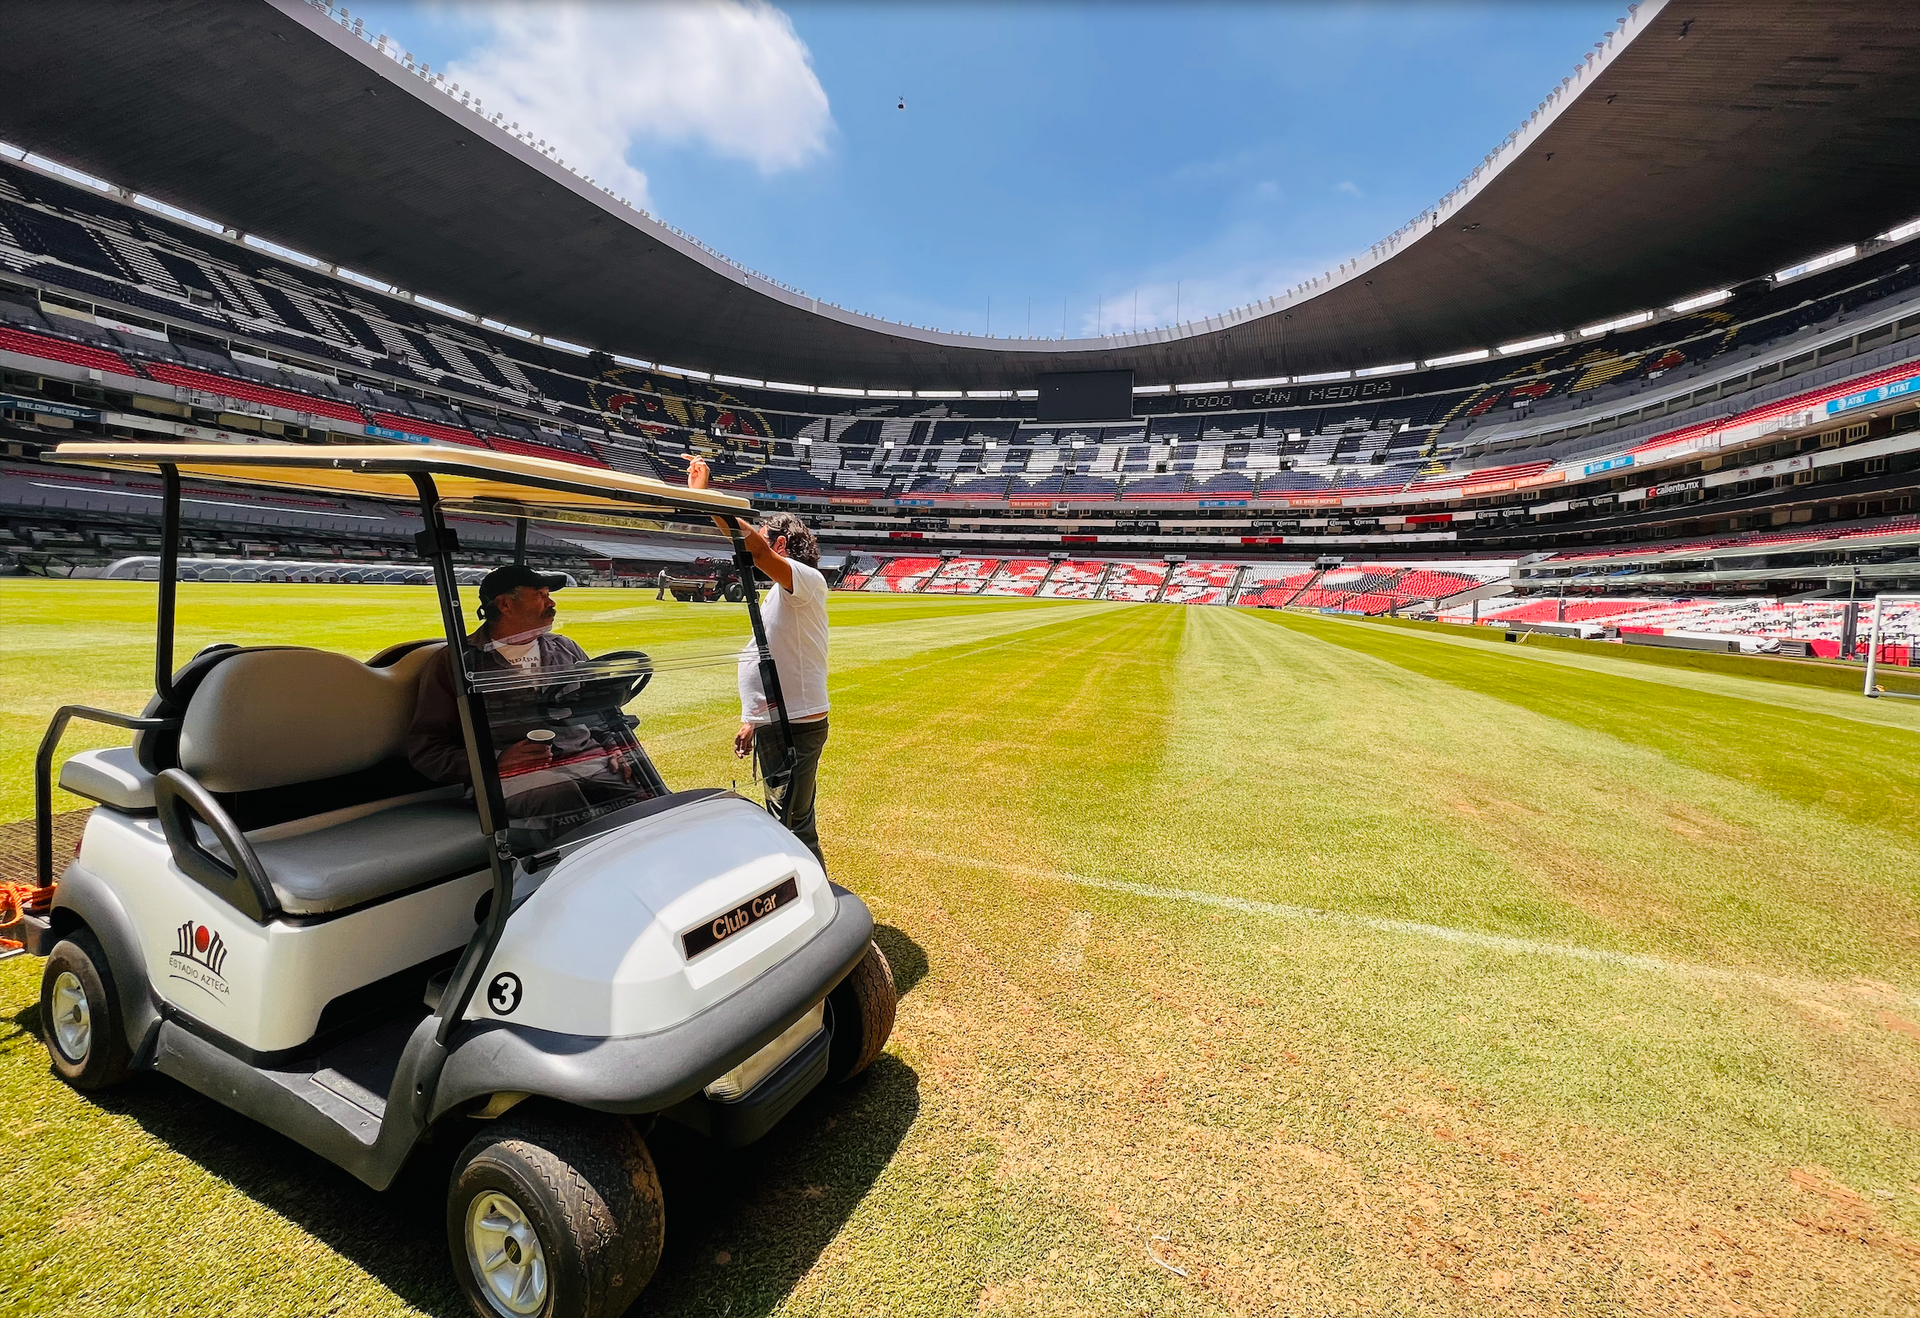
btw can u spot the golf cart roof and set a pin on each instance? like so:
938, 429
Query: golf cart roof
504, 482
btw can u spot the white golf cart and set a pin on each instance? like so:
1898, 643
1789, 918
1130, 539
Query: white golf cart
272, 907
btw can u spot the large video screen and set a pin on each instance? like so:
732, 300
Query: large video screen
1087, 396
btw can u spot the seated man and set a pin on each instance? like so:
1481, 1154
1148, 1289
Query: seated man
515, 631
559, 767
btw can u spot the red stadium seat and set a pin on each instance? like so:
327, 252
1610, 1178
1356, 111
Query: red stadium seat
501, 444
432, 430
247, 392
59, 350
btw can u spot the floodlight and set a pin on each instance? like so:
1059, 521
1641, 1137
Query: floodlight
1527, 345
1637, 318
1821, 262
1703, 300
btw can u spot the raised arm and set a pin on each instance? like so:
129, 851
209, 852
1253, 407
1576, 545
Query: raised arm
765, 557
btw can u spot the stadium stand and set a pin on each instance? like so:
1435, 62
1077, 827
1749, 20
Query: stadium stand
188, 377
1200, 583
117, 320
1137, 582
1760, 623
859, 569
902, 576
962, 576
60, 350
1075, 580
1019, 576
1274, 585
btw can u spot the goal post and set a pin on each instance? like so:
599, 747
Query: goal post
1896, 621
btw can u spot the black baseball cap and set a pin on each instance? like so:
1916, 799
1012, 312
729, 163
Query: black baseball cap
505, 580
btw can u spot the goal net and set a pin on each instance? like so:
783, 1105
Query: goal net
1893, 641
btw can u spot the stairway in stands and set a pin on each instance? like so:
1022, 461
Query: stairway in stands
1312, 583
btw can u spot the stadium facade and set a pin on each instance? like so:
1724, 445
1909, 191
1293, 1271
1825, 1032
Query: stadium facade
1664, 341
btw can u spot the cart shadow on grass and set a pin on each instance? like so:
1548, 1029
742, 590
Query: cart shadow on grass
743, 1226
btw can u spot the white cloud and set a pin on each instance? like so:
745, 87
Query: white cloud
597, 80
1349, 187
1162, 301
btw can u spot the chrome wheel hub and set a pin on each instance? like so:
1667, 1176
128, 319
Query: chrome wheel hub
504, 1252
72, 1021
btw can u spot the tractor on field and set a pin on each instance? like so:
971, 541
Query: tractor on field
707, 581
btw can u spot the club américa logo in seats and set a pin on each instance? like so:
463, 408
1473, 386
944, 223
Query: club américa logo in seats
199, 955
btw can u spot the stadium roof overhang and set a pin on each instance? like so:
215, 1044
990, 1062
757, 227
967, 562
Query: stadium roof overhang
1697, 147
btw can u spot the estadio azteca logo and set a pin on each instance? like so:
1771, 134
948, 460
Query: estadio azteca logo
198, 957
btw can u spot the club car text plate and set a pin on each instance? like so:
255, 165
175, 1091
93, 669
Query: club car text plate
726, 925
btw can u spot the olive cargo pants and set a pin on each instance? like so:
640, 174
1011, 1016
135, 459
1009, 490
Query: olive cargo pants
793, 800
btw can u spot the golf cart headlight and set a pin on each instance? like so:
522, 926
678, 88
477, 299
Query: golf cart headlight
765, 1062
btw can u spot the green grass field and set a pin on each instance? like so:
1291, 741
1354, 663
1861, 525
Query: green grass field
1251, 964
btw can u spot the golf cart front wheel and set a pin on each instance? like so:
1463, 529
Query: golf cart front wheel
555, 1215
80, 1017
863, 1007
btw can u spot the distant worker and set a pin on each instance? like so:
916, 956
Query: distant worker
796, 621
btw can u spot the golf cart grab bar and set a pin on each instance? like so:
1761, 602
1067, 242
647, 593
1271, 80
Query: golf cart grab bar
243, 884
43, 774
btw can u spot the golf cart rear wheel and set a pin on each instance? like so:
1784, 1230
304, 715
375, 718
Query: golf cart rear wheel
863, 1007
555, 1214
80, 1017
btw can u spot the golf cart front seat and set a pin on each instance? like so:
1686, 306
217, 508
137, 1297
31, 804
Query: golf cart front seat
264, 728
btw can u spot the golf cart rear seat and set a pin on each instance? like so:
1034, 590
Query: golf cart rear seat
302, 749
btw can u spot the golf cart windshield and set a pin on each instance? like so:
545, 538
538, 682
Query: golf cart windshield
549, 743
564, 744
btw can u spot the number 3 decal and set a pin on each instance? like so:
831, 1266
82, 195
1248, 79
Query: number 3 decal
503, 995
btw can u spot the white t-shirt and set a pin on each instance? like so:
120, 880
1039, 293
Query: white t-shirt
525, 657
796, 623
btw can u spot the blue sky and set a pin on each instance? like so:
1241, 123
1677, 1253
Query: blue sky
1076, 159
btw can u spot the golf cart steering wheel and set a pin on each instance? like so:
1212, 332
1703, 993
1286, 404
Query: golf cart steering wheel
639, 682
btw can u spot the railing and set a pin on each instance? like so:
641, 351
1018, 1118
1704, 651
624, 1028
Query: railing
43, 774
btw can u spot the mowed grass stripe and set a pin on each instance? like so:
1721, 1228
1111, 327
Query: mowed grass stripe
1864, 772
92, 643
1320, 1116
1164, 1022
1299, 773
1670, 668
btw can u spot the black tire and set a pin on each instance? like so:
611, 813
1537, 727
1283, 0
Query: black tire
735, 593
862, 1008
585, 1185
79, 1013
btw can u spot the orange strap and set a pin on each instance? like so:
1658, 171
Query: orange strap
16, 899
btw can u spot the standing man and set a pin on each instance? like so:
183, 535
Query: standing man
796, 621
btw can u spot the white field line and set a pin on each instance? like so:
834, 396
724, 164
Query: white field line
1468, 937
